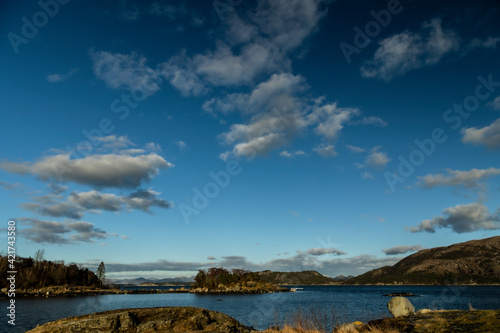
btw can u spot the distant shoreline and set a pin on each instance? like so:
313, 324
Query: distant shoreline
82, 291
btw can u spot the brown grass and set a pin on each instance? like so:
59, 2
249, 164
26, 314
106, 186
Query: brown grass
319, 321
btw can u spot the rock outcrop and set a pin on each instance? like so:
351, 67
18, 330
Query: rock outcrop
166, 319
443, 321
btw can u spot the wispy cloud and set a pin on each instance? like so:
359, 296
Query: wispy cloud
407, 51
467, 179
292, 154
495, 104
402, 249
355, 149
53, 78
125, 71
326, 150
372, 120
367, 175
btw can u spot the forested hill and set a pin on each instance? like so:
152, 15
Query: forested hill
472, 262
296, 278
33, 273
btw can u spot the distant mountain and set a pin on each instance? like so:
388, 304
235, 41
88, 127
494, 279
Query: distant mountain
296, 278
472, 262
181, 280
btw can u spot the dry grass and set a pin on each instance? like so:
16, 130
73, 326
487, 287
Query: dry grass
319, 321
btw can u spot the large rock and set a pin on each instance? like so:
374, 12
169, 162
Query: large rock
167, 319
400, 307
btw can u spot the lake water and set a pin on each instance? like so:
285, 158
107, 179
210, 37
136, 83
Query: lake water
348, 303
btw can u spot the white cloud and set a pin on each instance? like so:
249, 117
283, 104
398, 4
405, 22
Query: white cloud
272, 127
287, 23
355, 149
113, 142
377, 159
181, 78
488, 136
122, 71
330, 119
367, 175
467, 179
292, 154
407, 51
495, 104
278, 92
263, 42
461, 219
326, 150
402, 249
110, 170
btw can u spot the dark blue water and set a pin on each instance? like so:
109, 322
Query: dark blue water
348, 303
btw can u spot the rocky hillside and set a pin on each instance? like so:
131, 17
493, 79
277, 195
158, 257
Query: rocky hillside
296, 278
472, 262
175, 319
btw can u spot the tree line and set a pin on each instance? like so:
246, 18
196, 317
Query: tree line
214, 276
38, 273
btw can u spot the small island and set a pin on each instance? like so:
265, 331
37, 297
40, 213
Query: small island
237, 281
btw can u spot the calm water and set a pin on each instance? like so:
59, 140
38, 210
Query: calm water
349, 303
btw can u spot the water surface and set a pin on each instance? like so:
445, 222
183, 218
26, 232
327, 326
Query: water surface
348, 303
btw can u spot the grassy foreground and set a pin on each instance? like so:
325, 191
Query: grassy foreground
443, 321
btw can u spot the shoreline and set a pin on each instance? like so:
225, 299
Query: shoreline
84, 291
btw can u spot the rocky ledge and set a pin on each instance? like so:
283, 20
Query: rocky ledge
166, 319
444, 321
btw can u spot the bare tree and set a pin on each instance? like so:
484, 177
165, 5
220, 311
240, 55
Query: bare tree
39, 256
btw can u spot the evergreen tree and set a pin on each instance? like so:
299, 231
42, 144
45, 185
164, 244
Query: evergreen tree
101, 273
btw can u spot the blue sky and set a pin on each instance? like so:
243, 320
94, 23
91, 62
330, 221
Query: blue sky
162, 137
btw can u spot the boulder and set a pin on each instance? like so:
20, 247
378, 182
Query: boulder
400, 307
